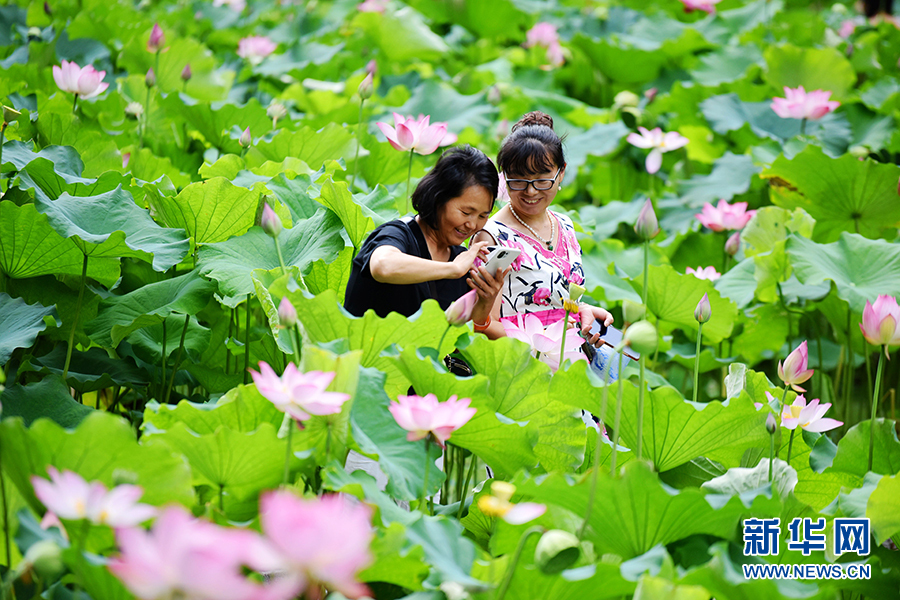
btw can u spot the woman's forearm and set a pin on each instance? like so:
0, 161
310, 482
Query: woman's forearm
389, 265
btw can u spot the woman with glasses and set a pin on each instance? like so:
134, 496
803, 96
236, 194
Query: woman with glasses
533, 165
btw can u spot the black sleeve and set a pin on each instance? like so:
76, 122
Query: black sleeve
392, 233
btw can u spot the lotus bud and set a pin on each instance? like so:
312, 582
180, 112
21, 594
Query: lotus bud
125, 159
502, 490
372, 67
287, 314
157, 39
246, 139
633, 311
576, 291
460, 311
366, 87
494, 96
47, 10
270, 222
186, 73
770, 424
703, 311
733, 244
642, 337
651, 94
34, 33
45, 557
859, 151
10, 114
556, 551
647, 226
134, 110
150, 78
626, 98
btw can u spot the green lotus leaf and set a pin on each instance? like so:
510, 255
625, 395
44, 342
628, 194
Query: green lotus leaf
295, 194
843, 194
882, 509
112, 225
30, 247
517, 387
263, 283
638, 511
672, 297
860, 268
120, 315
330, 275
210, 211
90, 370
726, 64
164, 476
337, 198
242, 409
48, 398
443, 103
215, 121
395, 561
730, 177
147, 342
883, 96
853, 450
625, 64
20, 323
94, 574
813, 68
377, 434
241, 464
312, 147
231, 263
501, 20
146, 166
739, 283
65, 159
506, 447
402, 35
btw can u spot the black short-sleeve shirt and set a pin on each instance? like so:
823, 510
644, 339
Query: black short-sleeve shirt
363, 292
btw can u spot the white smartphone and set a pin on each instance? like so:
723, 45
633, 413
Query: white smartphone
500, 258
611, 336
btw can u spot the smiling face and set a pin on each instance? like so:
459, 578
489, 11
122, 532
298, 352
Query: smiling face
530, 201
463, 216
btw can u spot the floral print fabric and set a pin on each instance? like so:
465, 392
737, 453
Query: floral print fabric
539, 280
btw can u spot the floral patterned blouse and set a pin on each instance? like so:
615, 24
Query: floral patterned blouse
539, 280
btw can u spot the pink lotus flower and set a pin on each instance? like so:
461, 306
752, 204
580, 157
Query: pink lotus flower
707, 6
794, 370
808, 417
157, 39
320, 541
659, 142
541, 296
847, 28
182, 557
548, 344
523, 328
460, 311
881, 322
70, 497
84, 82
378, 6
545, 35
298, 394
798, 104
423, 415
255, 48
416, 134
724, 216
707, 273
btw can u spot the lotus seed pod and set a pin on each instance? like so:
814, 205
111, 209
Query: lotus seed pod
576, 291
633, 311
626, 98
556, 551
45, 557
503, 490
642, 337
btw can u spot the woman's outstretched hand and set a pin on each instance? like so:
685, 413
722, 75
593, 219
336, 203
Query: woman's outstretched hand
466, 259
588, 315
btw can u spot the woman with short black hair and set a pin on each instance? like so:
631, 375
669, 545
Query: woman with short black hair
407, 261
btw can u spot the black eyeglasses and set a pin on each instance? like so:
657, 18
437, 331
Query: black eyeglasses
520, 185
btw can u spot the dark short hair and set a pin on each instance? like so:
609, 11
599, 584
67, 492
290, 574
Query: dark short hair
456, 170
532, 147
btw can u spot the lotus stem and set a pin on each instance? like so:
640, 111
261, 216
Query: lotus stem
162, 366
697, 362
408, 177
327, 441
646, 273
422, 505
617, 422
287, 453
783, 397
562, 345
511, 569
441, 342
878, 374
74, 103
280, 257
298, 349
5, 521
465, 488
187, 321
247, 344
358, 144
790, 446
803, 126
228, 349
771, 454
640, 412
84, 267
597, 449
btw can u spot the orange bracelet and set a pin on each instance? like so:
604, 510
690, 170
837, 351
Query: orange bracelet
482, 326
